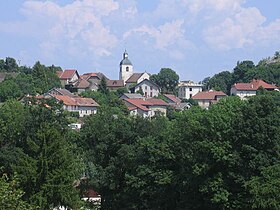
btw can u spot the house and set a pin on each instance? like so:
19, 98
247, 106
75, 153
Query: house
176, 102
136, 78
187, 89
82, 85
60, 91
172, 99
207, 98
83, 106
94, 77
138, 107
146, 108
158, 107
183, 106
88, 81
91, 196
244, 90
68, 76
131, 95
147, 87
115, 84
73, 103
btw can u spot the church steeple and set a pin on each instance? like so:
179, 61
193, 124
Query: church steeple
125, 55
126, 67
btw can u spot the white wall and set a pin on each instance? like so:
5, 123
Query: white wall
186, 92
148, 90
242, 94
124, 74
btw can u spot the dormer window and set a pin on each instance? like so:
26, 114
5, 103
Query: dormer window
127, 68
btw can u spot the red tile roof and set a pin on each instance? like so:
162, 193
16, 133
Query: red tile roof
98, 74
209, 95
85, 101
91, 194
115, 83
254, 85
139, 103
68, 101
68, 74
157, 102
173, 98
261, 83
77, 101
144, 104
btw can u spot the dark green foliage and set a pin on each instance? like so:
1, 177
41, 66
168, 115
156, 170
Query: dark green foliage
121, 91
226, 157
202, 159
107, 100
265, 188
9, 89
245, 71
221, 82
34, 145
22, 80
166, 79
8, 65
11, 195
102, 87
44, 78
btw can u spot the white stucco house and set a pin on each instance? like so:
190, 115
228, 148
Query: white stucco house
73, 103
146, 108
136, 78
147, 87
244, 90
68, 76
187, 89
207, 98
83, 106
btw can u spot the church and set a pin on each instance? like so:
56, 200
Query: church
127, 73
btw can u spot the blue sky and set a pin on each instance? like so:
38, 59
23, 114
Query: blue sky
196, 38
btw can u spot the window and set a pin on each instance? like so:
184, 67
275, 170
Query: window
190, 89
146, 94
151, 94
127, 68
190, 95
146, 87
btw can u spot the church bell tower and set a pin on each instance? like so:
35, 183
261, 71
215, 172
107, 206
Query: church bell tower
126, 68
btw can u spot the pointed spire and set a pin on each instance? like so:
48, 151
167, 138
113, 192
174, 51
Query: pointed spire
125, 55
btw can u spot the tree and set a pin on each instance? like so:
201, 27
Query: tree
9, 89
166, 79
221, 81
102, 87
265, 188
35, 147
44, 78
11, 195
10, 65
240, 71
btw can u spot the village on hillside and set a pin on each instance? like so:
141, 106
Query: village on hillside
82, 98
142, 95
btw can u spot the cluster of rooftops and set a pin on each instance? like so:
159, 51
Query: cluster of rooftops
147, 103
